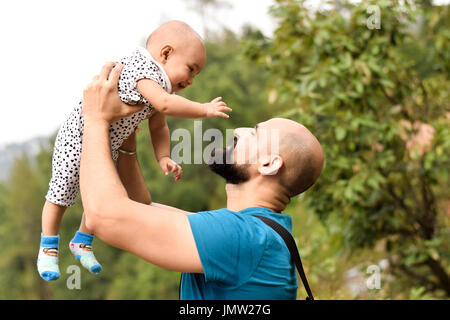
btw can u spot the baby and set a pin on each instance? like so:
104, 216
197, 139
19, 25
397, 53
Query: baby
174, 54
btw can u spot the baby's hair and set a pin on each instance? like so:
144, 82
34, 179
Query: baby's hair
173, 28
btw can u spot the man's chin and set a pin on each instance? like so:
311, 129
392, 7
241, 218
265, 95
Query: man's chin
231, 172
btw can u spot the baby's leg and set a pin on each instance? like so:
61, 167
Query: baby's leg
51, 218
47, 262
81, 247
62, 192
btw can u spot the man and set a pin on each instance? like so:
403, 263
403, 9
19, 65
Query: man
226, 253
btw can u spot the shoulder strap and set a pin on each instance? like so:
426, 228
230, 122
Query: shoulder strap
290, 243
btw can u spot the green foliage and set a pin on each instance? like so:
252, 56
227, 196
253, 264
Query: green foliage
377, 99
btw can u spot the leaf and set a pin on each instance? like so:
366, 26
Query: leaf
340, 133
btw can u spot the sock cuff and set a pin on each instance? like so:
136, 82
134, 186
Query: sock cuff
81, 237
49, 242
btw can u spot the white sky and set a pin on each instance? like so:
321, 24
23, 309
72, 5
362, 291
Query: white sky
51, 49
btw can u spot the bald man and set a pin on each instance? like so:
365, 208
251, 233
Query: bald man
225, 253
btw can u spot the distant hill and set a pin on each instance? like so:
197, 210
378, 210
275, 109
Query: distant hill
10, 151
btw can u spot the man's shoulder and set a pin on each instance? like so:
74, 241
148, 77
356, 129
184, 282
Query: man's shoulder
227, 223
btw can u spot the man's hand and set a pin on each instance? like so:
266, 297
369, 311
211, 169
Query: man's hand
168, 165
216, 108
101, 100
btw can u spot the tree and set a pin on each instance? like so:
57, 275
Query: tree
377, 99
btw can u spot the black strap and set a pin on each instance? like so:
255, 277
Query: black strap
290, 243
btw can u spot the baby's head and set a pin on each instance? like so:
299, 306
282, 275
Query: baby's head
180, 50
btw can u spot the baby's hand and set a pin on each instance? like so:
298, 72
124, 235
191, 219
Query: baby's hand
168, 165
216, 108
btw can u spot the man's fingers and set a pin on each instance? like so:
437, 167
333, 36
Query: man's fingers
115, 74
106, 69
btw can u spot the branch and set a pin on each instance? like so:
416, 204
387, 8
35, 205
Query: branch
413, 275
440, 273
428, 219
391, 100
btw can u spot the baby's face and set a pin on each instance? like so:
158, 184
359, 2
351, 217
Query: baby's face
184, 64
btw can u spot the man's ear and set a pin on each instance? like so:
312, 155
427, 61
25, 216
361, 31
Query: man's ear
270, 165
165, 52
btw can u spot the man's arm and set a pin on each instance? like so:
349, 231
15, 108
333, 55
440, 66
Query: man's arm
160, 236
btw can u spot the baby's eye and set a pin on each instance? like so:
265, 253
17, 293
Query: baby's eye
191, 69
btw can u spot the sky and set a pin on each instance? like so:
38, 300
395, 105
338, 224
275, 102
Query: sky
51, 49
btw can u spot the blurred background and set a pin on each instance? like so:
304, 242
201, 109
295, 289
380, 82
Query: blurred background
369, 78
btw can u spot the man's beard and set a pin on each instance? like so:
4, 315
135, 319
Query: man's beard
230, 171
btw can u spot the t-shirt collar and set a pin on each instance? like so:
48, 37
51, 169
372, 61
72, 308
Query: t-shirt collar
149, 56
256, 209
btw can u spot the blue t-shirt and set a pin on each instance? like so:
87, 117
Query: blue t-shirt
242, 257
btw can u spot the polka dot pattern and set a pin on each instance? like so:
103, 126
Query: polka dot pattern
64, 184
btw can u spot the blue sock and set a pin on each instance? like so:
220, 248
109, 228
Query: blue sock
47, 262
81, 247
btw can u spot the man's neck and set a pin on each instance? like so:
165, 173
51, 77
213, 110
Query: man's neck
255, 194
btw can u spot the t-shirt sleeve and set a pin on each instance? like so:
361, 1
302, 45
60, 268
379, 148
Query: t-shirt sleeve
137, 67
230, 246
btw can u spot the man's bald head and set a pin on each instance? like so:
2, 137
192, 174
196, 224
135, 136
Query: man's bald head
302, 155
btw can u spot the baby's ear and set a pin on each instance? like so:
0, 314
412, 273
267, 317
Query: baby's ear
166, 51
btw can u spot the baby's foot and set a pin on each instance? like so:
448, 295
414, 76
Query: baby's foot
47, 262
81, 247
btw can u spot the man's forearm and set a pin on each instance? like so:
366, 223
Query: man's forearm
99, 181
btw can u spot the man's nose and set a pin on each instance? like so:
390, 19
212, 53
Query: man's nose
242, 132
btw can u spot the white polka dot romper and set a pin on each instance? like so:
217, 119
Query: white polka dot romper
64, 184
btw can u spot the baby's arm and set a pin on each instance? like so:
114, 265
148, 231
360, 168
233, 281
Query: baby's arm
160, 134
130, 173
177, 106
